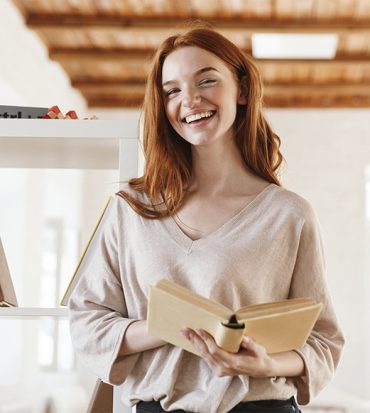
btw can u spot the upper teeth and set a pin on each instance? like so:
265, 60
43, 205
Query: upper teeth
198, 116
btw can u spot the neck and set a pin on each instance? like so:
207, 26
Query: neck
219, 169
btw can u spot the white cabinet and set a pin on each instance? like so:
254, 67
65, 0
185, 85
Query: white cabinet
73, 144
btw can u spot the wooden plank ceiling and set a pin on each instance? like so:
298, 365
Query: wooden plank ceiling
105, 45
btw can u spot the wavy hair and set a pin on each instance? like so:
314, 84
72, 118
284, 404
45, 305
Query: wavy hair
168, 160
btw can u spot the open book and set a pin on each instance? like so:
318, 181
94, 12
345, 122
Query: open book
7, 293
278, 326
84, 257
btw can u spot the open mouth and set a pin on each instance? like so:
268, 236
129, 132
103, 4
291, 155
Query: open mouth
198, 117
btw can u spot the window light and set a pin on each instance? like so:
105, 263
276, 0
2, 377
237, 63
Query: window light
294, 46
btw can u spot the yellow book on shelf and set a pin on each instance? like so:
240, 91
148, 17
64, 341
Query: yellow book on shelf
278, 326
84, 257
7, 293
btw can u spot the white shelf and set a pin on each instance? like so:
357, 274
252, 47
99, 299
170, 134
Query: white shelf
68, 129
77, 144
33, 312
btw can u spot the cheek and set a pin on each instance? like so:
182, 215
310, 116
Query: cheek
171, 113
231, 102
227, 98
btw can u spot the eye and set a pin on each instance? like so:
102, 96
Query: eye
172, 91
207, 82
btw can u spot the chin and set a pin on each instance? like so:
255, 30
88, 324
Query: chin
200, 141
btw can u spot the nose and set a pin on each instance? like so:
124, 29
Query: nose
191, 97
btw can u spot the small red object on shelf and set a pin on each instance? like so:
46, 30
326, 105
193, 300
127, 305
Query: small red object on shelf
54, 113
71, 115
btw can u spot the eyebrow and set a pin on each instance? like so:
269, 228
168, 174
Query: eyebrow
198, 72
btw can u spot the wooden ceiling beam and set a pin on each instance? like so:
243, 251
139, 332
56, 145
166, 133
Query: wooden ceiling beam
304, 102
271, 101
292, 95
101, 82
112, 90
137, 54
123, 102
318, 83
349, 90
283, 87
54, 20
95, 53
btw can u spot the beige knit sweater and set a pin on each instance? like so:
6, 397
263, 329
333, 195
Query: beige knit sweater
270, 250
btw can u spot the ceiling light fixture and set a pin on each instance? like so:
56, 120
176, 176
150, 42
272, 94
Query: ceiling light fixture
294, 46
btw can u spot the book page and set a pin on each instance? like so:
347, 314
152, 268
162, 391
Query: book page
273, 307
283, 331
185, 294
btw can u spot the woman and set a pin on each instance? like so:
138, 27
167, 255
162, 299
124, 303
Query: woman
210, 214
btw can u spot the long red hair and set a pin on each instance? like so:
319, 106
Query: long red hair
168, 160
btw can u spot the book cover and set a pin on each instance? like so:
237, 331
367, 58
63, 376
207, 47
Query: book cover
22, 112
84, 257
278, 326
101, 400
7, 293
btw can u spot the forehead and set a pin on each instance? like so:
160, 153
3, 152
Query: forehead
188, 60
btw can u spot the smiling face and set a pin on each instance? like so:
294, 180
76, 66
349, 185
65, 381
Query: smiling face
201, 95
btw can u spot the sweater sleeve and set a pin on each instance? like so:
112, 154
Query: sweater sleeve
321, 353
97, 308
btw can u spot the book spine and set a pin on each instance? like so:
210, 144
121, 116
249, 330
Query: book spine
21, 112
228, 338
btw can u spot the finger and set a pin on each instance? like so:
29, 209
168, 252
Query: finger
195, 339
185, 332
216, 356
208, 340
250, 345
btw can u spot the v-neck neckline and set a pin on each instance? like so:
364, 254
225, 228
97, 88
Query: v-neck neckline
188, 244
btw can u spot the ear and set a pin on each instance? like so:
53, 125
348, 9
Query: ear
242, 98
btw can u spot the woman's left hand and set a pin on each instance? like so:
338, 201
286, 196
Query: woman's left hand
252, 358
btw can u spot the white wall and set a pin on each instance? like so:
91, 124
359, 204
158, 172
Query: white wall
326, 154
27, 76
